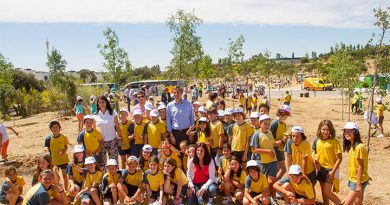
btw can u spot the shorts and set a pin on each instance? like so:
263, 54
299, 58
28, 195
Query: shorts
4, 200
183, 192
238, 154
4, 148
254, 194
155, 195
155, 151
313, 177
87, 195
352, 185
80, 116
100, 159
269, 169
62, 166
136, 150
322, 175
131, 189
279, 154
380, 120
298, 196
124, 151
107, 194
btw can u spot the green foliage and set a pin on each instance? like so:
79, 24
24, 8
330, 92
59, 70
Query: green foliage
27, 81
28, 103
56, 64
6, 88
187, 48
206, 68
87, 76
235, 56
116, 58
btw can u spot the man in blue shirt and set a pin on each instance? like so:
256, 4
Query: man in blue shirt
180, 116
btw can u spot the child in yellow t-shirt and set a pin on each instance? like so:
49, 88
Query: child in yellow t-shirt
357, 163
92, 180
380, 109
176, 182
241, 134
76, 177
110, 181
169, 151
130, 183
124, 149
223, 161
153, 181
233, 181
202, 133
136, 133
57, 145
249, 104
256, 185
155, 131
12, 187
255, 101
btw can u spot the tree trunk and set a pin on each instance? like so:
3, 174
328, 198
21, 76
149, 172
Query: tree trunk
342, 104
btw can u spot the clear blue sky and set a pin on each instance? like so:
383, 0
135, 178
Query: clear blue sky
149, 44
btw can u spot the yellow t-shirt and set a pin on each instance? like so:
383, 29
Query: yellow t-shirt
299, 152
282, 128
153, 180
249, 102
359, 152
93, 178
53, 193
92, 140
224, 163
56, 145
19, 182
77, 176
287, 98
124, 130
112, 179
164, 122
173, 156
380, 109
256, 186
138, 130
185, 161
240, 135
216, 129
240, 179
267, 141
254, 101
305, 188
202, 137
155, 132
133, 179
326, 152
179, 175
242, 100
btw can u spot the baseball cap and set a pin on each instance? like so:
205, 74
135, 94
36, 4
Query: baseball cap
351, 125
202, 119
148, 106
251, 163
202, 109
286, 109
254, 115
123, 110
238, 110
137, 112
89, 160
78, 148
147, 148
112, 162
162, 106
295, 169
264, 117
88, 117
379, 100
154, 113
79, 97
297, 129
196, 103
132, 158
220, 113
161, 103
229, 111
53, 122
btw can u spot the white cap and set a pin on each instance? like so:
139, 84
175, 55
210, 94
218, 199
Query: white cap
379, 100
151, 97
88, 117
154, 113
350, 126
147, 148
112, 162
137, 112
295, 169
286, 108
254, 115
162, 106
220, 113
78, 148
297, 129
238, 110
203, 119
228, 111
161, 103
79, 97
148, 106
89, 160
133, 158
251, 163
123, 110
264, 117
202, 109
92, 98
196, 103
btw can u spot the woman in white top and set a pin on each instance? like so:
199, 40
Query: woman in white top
107, 123
201, 176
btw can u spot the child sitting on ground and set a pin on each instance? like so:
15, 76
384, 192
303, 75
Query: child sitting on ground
12, 187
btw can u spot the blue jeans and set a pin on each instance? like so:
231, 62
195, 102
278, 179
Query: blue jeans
211, 192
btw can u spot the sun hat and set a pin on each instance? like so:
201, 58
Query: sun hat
112, 162
295, 169
89, 160
78, 148
147, 148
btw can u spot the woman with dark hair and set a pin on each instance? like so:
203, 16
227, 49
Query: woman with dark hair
107, 123
221, 105
201, 176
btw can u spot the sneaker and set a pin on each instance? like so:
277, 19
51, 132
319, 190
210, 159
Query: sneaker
279, 195
226, 200
211, 201
273, 201
380, 136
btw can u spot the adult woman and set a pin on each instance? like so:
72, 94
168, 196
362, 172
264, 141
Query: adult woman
107, 123
201, 176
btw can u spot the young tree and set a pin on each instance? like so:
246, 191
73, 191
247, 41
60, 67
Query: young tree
187, 48
266, 68
55, 63
115, 57
206, 69
87, 76
6, 88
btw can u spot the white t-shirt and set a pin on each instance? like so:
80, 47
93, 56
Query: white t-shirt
3, 131
105, 123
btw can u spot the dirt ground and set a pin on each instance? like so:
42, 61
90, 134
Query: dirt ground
307, 112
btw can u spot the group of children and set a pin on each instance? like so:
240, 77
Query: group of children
257, 161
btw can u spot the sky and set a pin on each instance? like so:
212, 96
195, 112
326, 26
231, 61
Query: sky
75, 28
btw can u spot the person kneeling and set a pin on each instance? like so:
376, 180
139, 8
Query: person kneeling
256, 185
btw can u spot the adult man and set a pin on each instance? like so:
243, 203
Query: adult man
180, 117
142, 100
